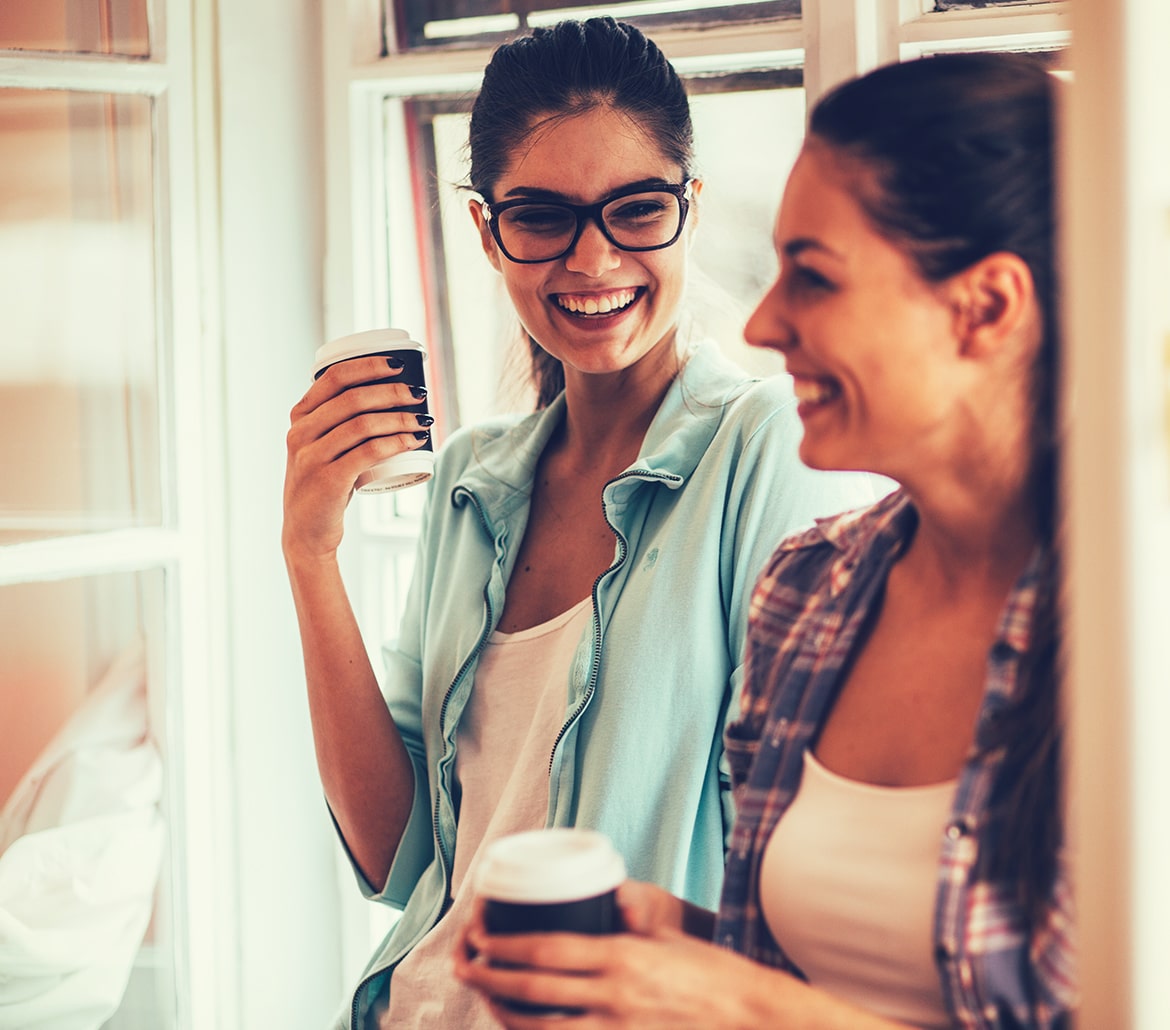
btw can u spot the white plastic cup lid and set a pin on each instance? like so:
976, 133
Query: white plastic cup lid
371, 341
402, 470
547, 866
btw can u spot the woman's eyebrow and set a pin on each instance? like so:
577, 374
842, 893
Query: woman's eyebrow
797, 246
540, 193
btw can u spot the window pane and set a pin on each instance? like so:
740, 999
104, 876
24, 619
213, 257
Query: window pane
79, 436
76, 26
439, 22
743, 172
85, 901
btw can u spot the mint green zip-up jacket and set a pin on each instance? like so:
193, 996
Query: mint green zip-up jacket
640, 755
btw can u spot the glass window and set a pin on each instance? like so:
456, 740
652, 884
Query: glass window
78, 370
76, 26
442, 22
733, 258
84, 837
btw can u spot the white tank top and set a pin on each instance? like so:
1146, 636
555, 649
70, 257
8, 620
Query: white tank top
847, 887
504, 741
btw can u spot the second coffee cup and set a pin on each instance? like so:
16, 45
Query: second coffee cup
544, 881
409, 467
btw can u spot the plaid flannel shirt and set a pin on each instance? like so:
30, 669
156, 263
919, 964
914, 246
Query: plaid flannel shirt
808, 611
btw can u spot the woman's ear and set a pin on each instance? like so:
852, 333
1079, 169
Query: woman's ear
693, 210
993, 301
486, 240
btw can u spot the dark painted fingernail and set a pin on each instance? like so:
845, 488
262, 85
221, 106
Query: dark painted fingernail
425, 420
418, 392
396, 363
422, 434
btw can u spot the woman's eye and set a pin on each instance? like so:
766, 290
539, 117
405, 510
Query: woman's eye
536, 219
804, 278
637, 211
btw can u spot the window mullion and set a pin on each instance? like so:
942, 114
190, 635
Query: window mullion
95, 74
89, 554
844, 38
192, 416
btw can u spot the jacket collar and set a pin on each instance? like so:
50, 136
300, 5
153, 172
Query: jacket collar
505, 455
691, 412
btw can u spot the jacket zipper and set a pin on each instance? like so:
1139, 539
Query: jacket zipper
475, 651
624, 549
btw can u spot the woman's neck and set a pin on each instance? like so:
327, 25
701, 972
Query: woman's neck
606, 416
975, 498
971, 540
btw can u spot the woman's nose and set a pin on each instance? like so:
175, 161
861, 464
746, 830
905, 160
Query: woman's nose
767, 326
593, 254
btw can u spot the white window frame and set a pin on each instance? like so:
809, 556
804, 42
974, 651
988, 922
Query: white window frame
178, 79
1117, 253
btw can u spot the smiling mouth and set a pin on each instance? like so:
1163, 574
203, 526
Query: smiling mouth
596, 305
811, 393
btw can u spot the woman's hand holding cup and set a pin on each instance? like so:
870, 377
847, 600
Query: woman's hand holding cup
363, 424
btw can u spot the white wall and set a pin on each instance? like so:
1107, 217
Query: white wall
271, 190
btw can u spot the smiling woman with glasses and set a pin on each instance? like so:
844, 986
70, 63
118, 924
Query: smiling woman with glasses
572, 636
638, 217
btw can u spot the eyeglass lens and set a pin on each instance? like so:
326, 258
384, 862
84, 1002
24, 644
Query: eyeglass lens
543, 231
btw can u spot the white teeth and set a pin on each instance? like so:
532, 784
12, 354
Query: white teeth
594, 305
813, 391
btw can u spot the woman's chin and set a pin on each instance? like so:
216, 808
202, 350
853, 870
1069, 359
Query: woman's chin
818, 455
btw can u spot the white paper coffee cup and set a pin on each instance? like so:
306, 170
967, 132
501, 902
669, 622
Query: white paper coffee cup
545, 881
409, 467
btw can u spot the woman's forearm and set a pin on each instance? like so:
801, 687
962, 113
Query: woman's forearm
365, 770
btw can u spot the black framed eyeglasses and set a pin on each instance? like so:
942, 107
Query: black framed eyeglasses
636, 218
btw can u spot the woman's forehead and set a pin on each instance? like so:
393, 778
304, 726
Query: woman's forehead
588, 153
